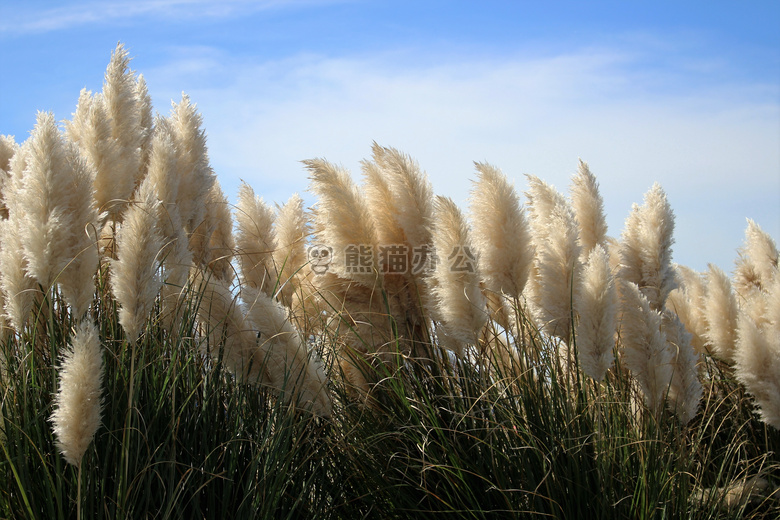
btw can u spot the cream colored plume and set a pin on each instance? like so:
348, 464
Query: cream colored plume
688, 301
757, 264
164, 178
685, 389
381, 200
221, 242
588, 209
291, 370
212, 241
721, 314
127, 113
58, 214
555, 283
597, 308
645, 349
646, 248
228, 332
757, 364
255, 241
135, 274
146, 120
502, 237
290, 231
460, 304
412, 194
91, 131
8, 148
343, 222
196, 176
18, 286
77, 406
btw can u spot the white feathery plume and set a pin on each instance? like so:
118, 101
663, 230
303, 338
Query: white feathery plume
380, 198
597, 308
17, 285
8, 148
543, 199
196, 175
255, 241
772, 313
211, 243
77, 406
688, 301
646, 247
757, 363
291, 229
228, 332
290, 369
588, 208
555, 283
90, 130
502, 237
721, 314
412, 194
685, 389
135, 276
163, 175
343, 221
460, 304
221, 243
56, 197
757, 264
122, 103
146, 122
645, 349
77, 281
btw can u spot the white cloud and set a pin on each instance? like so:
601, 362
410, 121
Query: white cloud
715, 151
28, 17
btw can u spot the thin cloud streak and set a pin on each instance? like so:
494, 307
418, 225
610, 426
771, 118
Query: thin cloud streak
23, 19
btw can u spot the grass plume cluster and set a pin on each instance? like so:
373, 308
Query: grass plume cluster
384, 354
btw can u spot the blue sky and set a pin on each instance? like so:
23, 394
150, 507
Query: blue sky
686, 95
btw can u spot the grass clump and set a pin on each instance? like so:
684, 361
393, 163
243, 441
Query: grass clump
381, 355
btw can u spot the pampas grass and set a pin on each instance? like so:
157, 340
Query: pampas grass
343, 222
556, 273
291, 370
245, 398
588, 209
289, 255
135, 280
721, 314
645, 349
685, 389
255, 241
128, 109
51, 198
646, 248
460, 304
688, 302
502, 237
597, 308
76, 416
757, 363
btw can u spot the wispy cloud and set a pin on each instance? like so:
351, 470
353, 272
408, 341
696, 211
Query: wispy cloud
708, 147
29, 17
